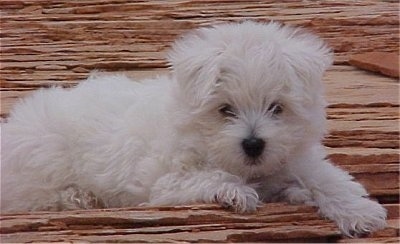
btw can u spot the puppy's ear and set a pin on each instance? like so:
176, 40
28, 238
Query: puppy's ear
308, 55
195, 65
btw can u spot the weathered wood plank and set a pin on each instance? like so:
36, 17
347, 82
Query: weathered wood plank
209, 224
74, 37
204, 223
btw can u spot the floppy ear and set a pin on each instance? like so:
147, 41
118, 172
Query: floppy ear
309, 56
195, 66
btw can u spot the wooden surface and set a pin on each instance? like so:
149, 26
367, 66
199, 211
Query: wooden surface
47, 42
202, 223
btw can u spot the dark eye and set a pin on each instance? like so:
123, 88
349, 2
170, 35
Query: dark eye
227, 111
275, 108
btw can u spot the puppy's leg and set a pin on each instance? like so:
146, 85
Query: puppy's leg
338, 197
193, 187
283, 187
73, 197
296, 194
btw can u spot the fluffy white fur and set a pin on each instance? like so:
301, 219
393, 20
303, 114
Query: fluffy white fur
114, 142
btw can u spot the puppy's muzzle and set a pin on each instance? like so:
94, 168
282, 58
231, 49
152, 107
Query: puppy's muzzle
253, 146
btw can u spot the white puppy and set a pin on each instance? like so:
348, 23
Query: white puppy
239, 121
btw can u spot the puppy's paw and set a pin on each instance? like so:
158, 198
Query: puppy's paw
240, 198
73, 197
358, 217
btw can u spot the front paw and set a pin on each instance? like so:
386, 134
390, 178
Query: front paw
240, 198
358, 217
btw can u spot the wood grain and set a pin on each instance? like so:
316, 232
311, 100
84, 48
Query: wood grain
47, 41
274, 222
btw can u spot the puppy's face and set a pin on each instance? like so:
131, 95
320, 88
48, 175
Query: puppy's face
255, 98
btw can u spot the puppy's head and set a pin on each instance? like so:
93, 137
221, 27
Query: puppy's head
253, 92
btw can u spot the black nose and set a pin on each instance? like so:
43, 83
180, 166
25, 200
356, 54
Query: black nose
253, 146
